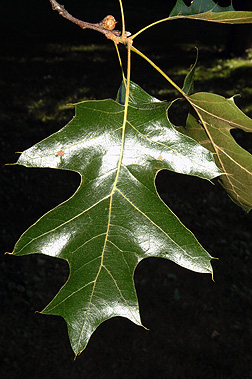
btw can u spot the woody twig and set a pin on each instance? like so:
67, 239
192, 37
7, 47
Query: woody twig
106, 26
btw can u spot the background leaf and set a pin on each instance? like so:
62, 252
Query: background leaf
116, 218
218, 117
208, 10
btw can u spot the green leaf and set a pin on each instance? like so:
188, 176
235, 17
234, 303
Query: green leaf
197, 7
116, 218
217, 117
196, 131
208, 10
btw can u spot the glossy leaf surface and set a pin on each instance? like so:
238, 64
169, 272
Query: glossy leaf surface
116, 218
208, 10
217, 117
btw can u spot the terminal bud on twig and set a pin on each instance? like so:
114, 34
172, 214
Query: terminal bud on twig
109, 22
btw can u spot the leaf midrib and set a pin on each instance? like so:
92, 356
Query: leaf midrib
109, 213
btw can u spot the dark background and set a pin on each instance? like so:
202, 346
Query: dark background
198, 328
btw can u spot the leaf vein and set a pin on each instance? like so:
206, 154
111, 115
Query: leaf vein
157, 226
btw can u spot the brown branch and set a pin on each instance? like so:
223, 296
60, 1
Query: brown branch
114, 35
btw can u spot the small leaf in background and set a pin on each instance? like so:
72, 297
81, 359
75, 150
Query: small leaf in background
197, 7
208, 10
218, 116
116, 217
